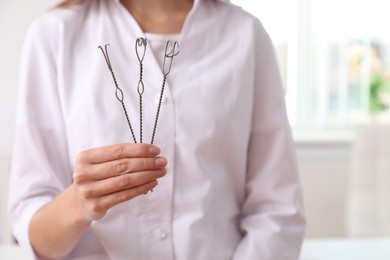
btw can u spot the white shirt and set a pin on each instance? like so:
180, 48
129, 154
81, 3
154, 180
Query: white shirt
157, 43
231, 191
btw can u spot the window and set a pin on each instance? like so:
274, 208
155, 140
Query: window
334, 57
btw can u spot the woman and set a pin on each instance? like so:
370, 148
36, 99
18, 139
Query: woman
227, 180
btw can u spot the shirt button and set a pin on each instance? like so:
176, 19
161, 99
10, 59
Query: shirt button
157, 99
159, 234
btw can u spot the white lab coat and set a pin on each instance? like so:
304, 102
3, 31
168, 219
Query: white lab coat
231, 191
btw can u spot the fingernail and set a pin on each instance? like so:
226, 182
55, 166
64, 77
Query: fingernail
161, 161
161, 172
154, 150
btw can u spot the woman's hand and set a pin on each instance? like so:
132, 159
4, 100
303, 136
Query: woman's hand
107, 176
103, 178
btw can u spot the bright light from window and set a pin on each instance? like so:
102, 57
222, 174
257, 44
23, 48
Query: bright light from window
334, 56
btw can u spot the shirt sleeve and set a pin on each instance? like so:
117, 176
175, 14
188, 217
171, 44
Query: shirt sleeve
272, 215
40, 168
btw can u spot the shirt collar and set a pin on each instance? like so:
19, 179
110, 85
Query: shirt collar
196, 2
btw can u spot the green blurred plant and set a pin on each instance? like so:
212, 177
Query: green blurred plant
362, 58
379, 92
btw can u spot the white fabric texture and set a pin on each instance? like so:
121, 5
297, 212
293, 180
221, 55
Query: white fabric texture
232, 188
157, 44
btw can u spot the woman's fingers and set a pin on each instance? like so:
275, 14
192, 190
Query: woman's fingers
119, 183
117, 152
107, 176
98, 207
121, 196
88, 172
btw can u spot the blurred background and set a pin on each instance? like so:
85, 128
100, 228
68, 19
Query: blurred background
334, 57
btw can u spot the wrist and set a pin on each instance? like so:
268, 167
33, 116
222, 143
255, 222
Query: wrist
78, 217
